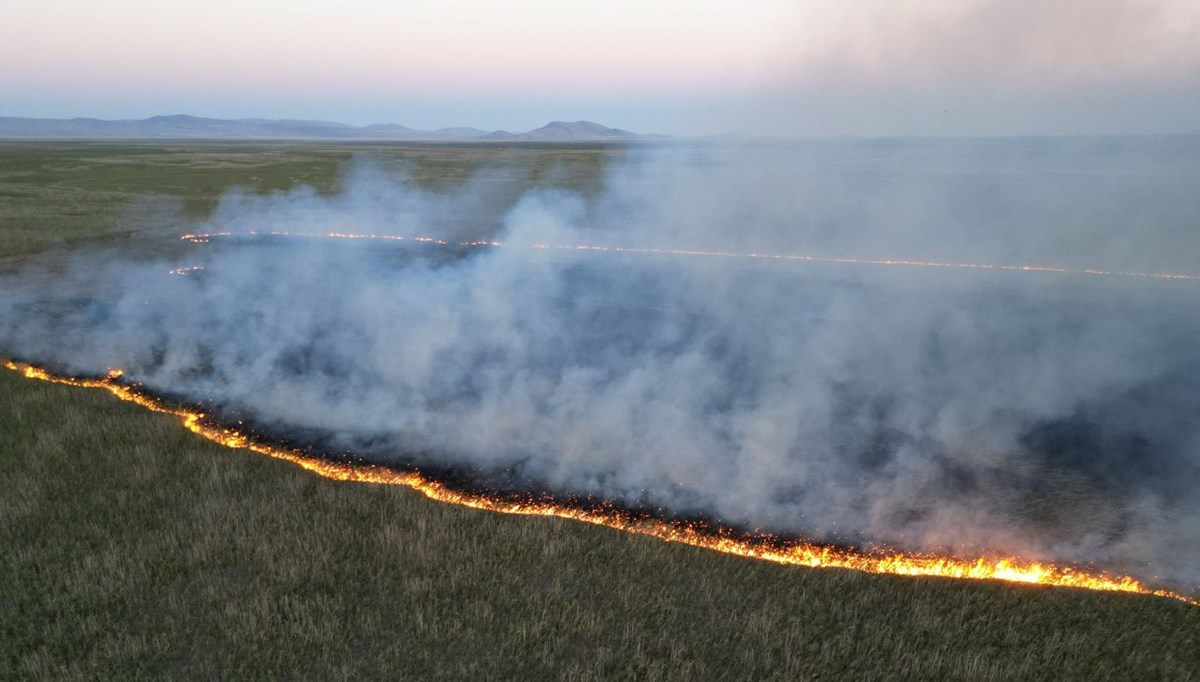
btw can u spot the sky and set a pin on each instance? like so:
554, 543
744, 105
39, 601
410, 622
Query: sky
803, 68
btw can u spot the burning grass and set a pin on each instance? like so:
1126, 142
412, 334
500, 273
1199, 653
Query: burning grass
712, 537
130, 548
134, 548
64, 194
206, 237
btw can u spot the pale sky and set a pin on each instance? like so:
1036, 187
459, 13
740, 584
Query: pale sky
816, 67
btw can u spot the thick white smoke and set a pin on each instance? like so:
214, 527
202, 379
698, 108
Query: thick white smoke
1045, 414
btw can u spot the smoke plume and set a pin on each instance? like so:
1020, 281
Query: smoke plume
1050, 415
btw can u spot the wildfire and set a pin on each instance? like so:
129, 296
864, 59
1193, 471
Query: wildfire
204, 238
797, 553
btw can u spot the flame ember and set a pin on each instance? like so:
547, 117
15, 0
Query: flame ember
204, 238
798, 553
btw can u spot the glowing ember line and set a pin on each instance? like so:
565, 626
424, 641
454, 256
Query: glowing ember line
204, 238
796, 553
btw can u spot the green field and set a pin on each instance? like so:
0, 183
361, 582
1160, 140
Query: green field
130, 548
60, 195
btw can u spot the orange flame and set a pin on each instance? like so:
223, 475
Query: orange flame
798, 553
204, 238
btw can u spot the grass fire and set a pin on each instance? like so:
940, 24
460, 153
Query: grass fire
538, 403
719, 539
204, 238
594, 341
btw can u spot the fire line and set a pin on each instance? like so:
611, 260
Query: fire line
204, 238
797, 553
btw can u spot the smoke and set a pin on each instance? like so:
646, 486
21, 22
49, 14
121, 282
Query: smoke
1047, 415
1000, 42
974, 67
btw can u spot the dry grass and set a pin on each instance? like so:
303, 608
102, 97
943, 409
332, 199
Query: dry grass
130, 548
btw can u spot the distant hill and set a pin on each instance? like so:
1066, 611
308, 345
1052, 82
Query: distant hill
561, 130
195, 127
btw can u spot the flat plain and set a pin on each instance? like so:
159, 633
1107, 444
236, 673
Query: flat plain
130, 548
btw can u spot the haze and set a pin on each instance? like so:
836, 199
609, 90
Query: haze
984, 67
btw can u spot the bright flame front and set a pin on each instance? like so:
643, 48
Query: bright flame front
796, 553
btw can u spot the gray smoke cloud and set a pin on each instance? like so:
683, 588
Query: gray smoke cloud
1050, 415
975, 67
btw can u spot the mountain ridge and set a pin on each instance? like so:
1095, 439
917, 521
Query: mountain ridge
185, 126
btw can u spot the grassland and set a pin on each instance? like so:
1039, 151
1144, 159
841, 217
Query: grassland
131, 549
61, 195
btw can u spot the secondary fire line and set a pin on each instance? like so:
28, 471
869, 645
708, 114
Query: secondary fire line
204, 238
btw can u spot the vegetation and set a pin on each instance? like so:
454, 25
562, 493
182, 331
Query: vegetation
131, 548
55, 195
